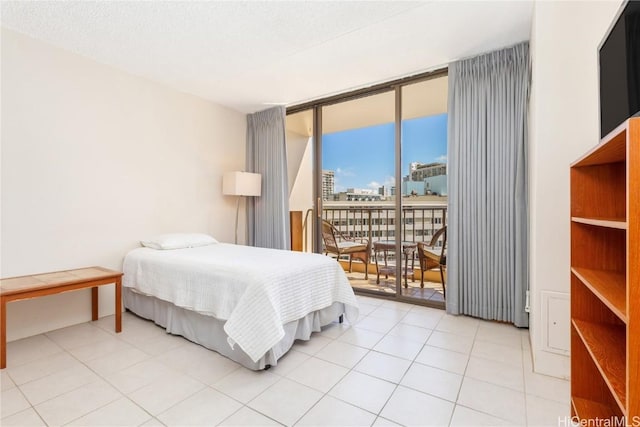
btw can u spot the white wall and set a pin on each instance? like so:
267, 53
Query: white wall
296, 147
564, 124
93, 160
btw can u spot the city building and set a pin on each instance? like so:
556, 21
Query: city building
426, 170
328, 184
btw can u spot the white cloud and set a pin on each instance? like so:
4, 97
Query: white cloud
345, 172
374, 184
442, 159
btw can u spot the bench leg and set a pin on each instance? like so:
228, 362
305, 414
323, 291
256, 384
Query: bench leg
94, 303
119, 305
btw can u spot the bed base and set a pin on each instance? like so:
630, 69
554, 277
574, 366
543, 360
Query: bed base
208, 331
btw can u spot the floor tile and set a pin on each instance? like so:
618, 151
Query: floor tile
333, 412
542, 412
137, 376
547, 387
161, 344
392, 315
497, 373
363, 391
444, 359
77, 335
494, 400
411, 332
153, 422
361, 337
198, 362
366, 309
121, 412
286, 401
311, 346
341, 353
499, 333
39, 368
375, 324
26, 418
423, 319
117, 361
458, 325
401, 306
77, 403
249, 418
208, 407
154, 378
433, 381
141, 330
12, 401
58, 383
244, 384
5, 380
500, 353
165, 392
465, 417
105, 347
459, 343
334, 330
383, 422
412, 408
29, 349
383, 366
318, 374
400, 347
369, 300
290, 361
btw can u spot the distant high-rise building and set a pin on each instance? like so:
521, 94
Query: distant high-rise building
328, 184
427, 170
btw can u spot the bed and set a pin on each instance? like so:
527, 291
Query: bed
249, 304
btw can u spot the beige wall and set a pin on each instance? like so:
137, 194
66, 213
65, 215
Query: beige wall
564, 124
93, 160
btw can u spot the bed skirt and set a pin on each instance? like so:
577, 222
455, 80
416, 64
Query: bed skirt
208, 331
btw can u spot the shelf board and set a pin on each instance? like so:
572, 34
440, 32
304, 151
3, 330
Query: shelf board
609, 286
618, 223
606, 345
589, 410
613, 148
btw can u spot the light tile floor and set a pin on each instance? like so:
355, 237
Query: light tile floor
398, 365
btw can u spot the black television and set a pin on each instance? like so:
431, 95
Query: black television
619, 63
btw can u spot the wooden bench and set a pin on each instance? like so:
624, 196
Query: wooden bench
38, 285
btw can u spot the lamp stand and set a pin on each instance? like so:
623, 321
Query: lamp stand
237, 212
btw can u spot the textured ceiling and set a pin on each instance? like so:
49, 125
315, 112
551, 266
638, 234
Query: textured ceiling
248, 55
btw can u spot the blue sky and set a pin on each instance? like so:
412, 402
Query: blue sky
364, 158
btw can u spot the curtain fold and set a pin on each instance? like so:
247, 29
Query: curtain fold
488, 186
268, 215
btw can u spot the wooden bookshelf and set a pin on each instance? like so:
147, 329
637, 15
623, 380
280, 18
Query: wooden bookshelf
605, 264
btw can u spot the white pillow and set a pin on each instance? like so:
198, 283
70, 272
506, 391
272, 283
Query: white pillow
178, 241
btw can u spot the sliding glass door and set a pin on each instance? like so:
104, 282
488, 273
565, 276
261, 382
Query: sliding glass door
358, 188
378, 191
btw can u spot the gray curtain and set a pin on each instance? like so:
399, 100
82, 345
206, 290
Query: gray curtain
268, 215
488, 207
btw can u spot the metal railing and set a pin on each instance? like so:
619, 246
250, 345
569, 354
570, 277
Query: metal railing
417, 223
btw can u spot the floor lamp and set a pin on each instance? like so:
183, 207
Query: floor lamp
241, 184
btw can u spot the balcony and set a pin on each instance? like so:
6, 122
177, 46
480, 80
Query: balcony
377, 222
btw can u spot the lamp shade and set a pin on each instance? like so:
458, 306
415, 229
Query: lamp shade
241, 184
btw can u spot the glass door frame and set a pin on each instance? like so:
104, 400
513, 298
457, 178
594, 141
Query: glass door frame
316, 107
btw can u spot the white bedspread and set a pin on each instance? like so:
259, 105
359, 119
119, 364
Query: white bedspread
255, 290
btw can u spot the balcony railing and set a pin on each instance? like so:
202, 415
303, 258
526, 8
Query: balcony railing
417, 223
